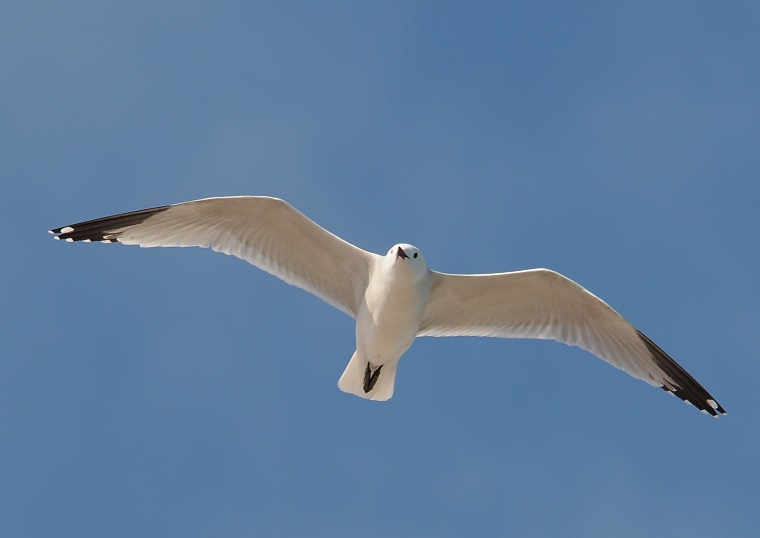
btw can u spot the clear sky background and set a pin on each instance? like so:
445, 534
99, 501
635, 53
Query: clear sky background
179, 392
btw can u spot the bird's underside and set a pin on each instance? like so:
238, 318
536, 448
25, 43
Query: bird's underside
272, 235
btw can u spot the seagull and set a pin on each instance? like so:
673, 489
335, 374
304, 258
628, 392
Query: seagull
396, 298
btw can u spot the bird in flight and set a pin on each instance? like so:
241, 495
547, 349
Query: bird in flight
395, 298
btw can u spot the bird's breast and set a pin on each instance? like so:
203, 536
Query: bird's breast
389, 319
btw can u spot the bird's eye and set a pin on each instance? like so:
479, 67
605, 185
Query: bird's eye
415, 254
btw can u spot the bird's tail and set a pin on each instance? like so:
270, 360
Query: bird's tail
355, 379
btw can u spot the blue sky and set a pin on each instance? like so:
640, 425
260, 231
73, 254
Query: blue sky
182, 392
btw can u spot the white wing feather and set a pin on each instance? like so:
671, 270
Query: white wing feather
267, 232
543, 304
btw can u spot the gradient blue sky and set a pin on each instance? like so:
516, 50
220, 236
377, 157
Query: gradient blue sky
185, 393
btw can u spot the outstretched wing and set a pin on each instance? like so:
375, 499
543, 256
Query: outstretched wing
267, 232
540, 303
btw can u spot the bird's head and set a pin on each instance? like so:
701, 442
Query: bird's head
407, 259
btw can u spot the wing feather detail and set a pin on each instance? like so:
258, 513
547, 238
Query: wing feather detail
266, 232
544, 304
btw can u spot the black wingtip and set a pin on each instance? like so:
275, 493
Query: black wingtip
105, 229
685, 386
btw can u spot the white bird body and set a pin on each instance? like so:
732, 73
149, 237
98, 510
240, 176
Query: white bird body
389, 318
396, 298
